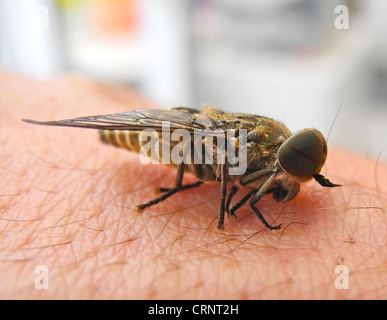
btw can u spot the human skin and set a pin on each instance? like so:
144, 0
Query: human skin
67, 202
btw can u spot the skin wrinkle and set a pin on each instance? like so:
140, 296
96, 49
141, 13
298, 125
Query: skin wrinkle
96, 246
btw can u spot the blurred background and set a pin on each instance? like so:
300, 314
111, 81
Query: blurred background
296, 61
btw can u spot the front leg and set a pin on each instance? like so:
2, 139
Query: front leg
241, 202
261, 191
252, 177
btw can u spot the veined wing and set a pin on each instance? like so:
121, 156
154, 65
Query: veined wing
140, 119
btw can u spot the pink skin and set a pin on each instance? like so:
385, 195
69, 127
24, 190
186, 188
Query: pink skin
68, 202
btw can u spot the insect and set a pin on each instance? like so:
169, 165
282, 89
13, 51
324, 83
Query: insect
277, 161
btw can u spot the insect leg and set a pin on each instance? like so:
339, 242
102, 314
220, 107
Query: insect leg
261, 191
187, 186
241, 202
223, 186
255, 176
232, 193
197, 171
172, 191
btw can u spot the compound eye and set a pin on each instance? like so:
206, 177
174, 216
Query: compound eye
303, 154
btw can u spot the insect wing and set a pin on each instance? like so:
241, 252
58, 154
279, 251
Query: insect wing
177, 118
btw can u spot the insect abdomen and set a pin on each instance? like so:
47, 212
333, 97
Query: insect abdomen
134, 141
121, 138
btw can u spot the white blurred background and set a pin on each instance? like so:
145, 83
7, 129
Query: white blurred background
285, 59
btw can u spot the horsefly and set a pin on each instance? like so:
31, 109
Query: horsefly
244, 150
